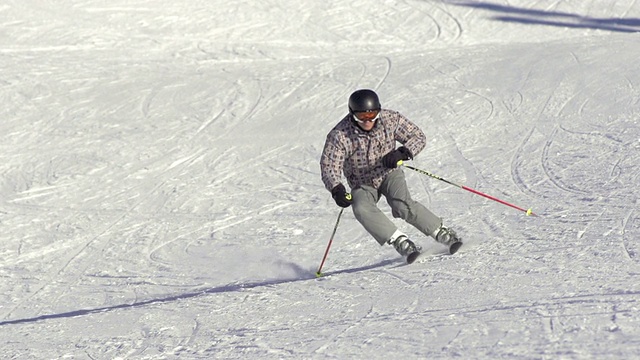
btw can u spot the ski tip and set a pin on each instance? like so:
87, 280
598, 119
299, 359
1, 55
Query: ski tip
455, 247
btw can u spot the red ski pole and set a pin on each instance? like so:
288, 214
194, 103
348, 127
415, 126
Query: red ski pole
326, 252
526, 211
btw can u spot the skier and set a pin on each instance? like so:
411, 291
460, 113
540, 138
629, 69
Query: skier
363, 147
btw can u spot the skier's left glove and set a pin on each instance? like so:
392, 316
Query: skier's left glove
393, 157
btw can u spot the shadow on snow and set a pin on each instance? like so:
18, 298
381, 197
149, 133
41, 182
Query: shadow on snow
552, 18
306, 276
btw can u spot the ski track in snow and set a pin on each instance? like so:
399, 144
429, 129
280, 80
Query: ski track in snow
160, 194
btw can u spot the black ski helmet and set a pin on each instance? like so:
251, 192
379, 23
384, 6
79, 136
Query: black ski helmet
364, 100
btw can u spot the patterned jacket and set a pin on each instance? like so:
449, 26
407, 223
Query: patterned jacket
358, 153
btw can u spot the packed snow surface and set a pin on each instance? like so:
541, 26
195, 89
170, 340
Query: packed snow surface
160, 192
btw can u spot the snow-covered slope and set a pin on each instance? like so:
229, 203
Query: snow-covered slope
160, 194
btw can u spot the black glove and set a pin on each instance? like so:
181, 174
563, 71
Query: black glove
391, 159
341, 196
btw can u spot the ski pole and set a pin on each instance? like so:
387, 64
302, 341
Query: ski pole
526, 211
319, 273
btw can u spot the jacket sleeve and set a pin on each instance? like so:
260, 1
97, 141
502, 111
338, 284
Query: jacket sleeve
332, 161
410, 135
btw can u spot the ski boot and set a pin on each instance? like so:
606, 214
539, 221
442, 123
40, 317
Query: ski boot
405, 248
449, 238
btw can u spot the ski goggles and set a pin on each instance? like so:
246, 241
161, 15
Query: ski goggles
362, 116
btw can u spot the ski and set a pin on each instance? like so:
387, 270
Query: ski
453, 248
413, 256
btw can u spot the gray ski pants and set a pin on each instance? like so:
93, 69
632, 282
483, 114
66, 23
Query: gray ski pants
394, 188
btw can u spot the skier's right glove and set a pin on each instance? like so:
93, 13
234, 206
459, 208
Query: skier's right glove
341, 196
